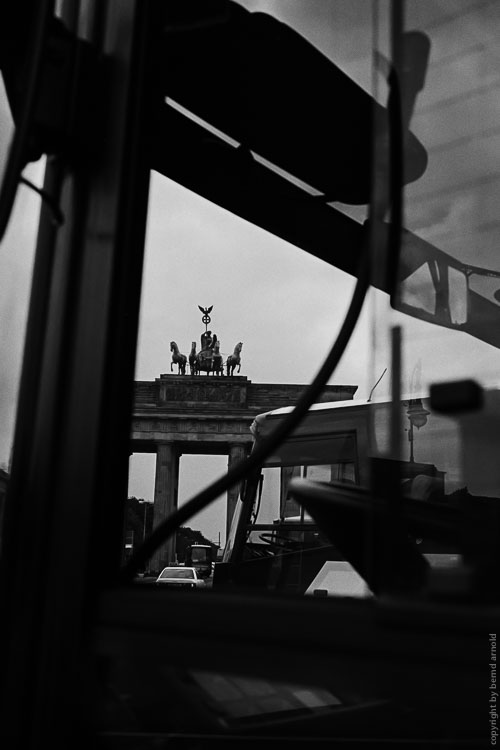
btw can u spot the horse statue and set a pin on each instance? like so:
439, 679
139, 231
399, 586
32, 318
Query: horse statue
234, 359
193, 359
178, 359
217, 362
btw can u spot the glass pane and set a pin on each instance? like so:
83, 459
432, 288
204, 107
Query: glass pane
269, 509
459, 289
228, 268
17, 252
177, 573
6, 127
279, 144
319, 473
487, 286
442, 450
417, 290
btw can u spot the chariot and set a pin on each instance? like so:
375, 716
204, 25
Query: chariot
209, 359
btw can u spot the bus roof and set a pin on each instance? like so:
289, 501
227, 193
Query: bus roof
332, 405
326, 406
315, 407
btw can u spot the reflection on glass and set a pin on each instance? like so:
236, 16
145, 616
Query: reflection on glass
418, 290
235, 700
450, 232
449, 275
452, 205
417, 417
486, 285
458, 296
6, 128
17, 252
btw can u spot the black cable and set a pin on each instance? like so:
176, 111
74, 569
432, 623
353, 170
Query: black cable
395, 185
265, 449
57, 214
255, 514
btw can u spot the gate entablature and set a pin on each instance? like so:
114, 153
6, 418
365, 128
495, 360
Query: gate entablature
203, 391
177, 393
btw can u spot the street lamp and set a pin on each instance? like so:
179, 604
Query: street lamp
417, 416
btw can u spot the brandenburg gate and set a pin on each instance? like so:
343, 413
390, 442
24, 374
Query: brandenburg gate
202, 414
207, 411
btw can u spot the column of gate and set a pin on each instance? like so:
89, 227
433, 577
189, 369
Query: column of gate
165, 499
166, 494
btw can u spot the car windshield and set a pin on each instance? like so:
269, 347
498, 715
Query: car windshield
177, 573
199, 555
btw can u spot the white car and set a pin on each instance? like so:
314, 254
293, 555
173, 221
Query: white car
180, 577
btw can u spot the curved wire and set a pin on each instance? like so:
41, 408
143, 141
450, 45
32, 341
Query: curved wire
57, 214
265, 449
395, 183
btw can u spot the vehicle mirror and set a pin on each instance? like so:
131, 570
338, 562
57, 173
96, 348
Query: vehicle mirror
435, 287
431, 285
437, 291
